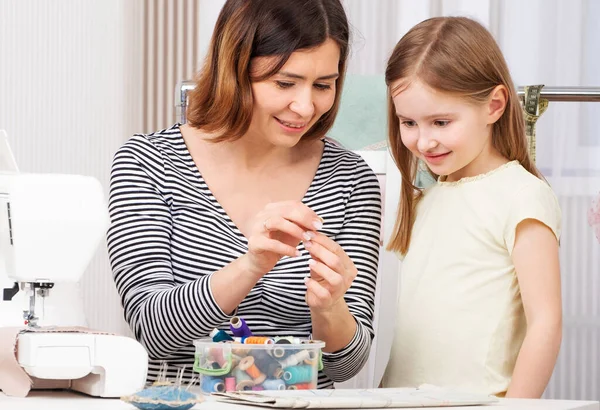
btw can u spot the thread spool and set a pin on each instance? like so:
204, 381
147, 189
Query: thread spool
279, 352
247, 365
243, 380
216, 354
302, 386
274, 384
212, 384
238, 327
257, 340
220, 336
312, 357
240, 375
245, 385
240, 350
258, 388
212, 365
230, 384
295, 359
298, 374
267, 364
235, 360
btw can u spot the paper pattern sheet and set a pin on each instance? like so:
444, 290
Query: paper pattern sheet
357, 399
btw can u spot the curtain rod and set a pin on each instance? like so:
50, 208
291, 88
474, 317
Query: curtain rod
572, 94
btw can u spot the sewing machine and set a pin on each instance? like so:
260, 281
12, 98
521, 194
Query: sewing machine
50, 228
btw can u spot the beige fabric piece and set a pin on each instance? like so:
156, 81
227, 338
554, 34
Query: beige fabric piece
13, 379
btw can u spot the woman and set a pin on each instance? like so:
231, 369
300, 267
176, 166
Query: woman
247, 209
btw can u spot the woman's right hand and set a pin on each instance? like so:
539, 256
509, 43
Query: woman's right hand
276, 232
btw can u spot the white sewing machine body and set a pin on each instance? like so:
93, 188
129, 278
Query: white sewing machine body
50, 228
96, 364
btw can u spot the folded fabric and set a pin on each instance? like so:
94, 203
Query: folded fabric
14, 381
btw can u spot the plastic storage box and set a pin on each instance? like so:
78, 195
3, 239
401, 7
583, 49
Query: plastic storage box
274, 365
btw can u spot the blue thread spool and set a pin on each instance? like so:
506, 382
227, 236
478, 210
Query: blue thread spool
274, 384
239, 328
298, 374
220, 336
212, 384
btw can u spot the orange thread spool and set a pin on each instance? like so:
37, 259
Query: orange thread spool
247, 365
303, 386
258, 340
253, 372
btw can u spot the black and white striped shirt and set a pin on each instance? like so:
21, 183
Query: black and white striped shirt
168, 234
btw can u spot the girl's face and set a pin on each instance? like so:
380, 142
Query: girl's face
452, 136
289, 103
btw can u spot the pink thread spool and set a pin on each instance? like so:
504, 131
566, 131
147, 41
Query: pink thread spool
230, 384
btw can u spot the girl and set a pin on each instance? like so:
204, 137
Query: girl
480, 302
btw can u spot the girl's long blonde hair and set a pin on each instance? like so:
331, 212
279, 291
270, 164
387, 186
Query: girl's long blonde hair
459, 56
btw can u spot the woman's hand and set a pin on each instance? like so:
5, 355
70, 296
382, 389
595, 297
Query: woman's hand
331, 272
276, 232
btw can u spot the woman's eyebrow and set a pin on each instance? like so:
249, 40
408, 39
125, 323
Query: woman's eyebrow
301, 77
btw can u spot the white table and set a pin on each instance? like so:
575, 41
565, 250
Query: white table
62, 400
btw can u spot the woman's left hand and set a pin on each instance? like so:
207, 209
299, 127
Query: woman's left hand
331, 272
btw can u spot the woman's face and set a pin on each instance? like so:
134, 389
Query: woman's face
289, 103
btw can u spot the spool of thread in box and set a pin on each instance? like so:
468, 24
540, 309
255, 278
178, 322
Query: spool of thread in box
242, 379
235, 359
245, 385
240, 350
255, 340
280, 352
220, 336
239, 328
274, 384
247, 365
300, 386
298, 374
312, 357
281, 340
267, 364
295, 359
216, 354
230, 383
212, 384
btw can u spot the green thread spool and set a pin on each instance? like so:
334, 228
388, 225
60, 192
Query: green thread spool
298, 374
243, 381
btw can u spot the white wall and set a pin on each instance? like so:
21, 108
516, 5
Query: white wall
68, 95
